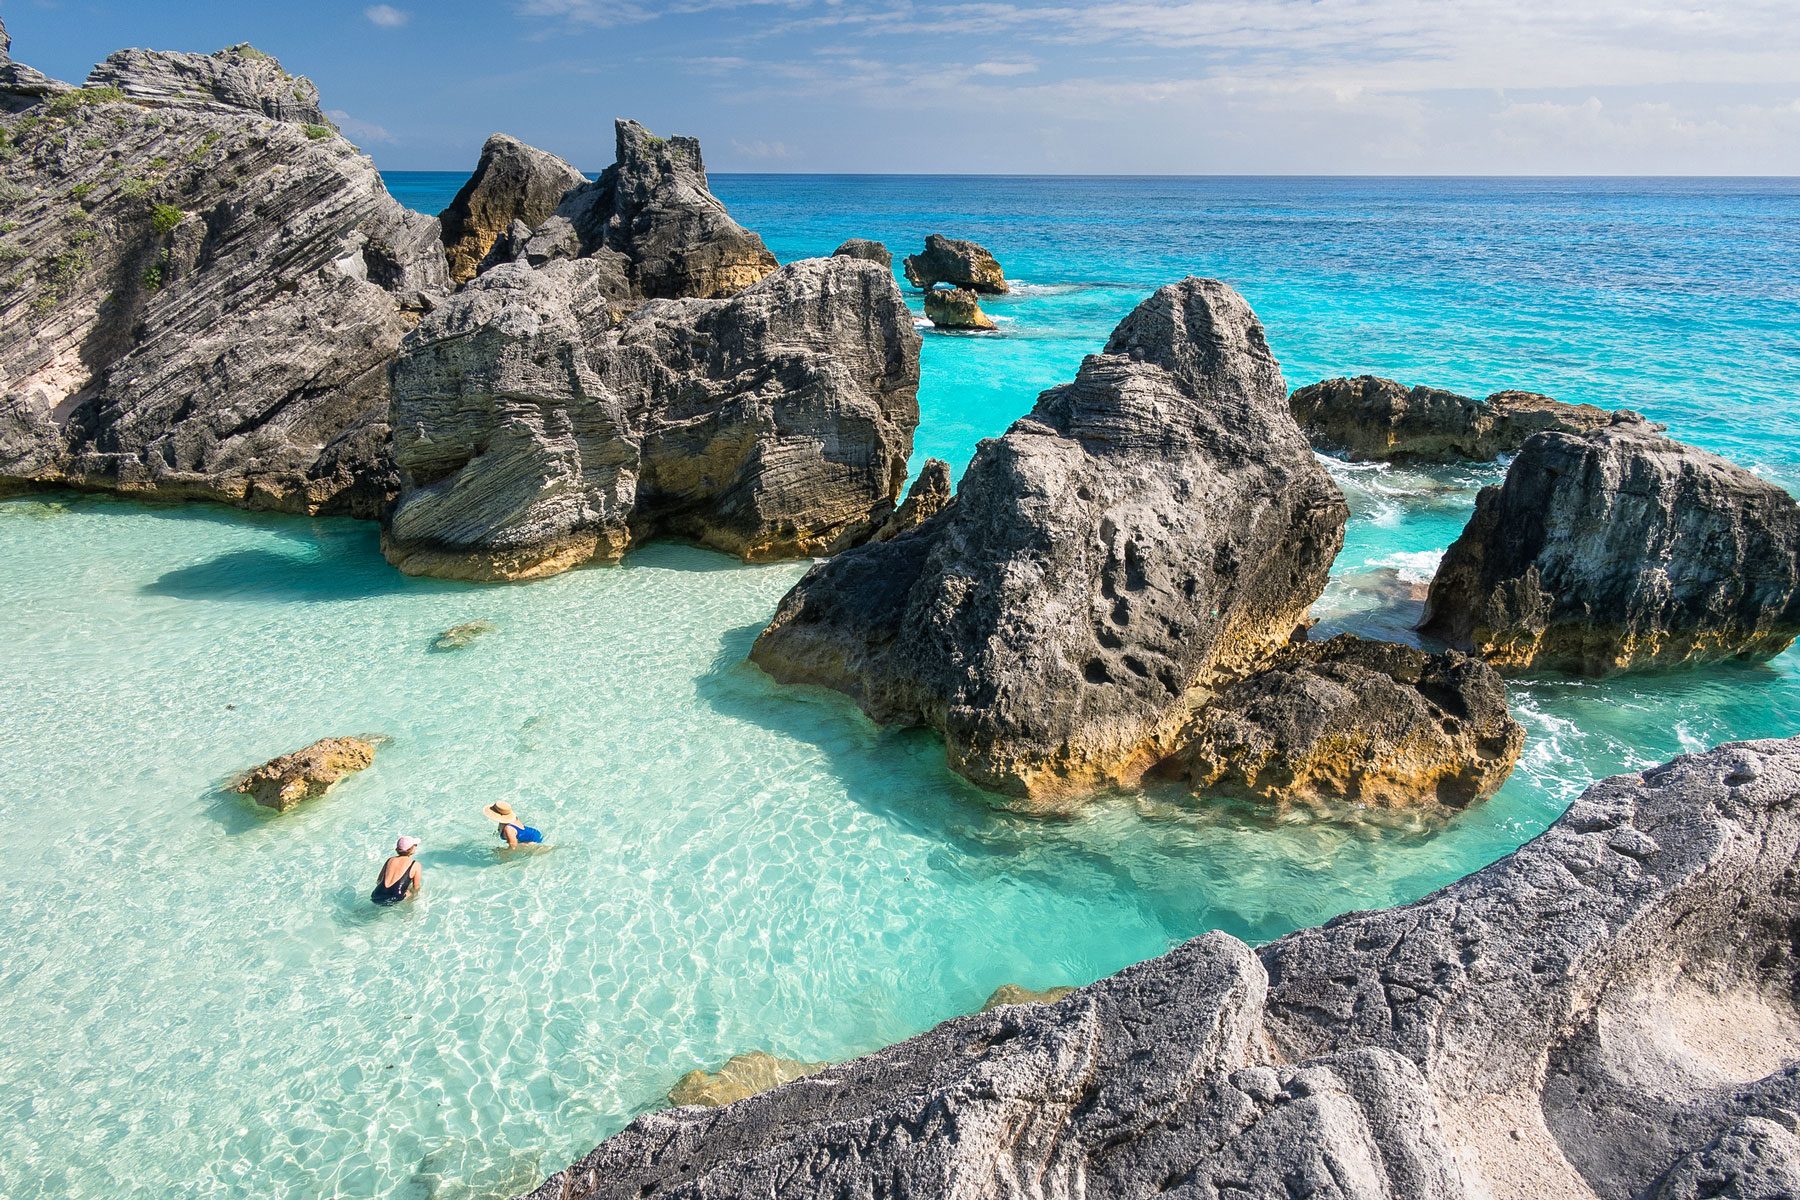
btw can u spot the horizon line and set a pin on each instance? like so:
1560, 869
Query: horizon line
1154, 174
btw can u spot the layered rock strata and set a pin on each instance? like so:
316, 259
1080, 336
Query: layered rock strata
200, 290
1358, 722
1149, 531
512, 183
956, 308
956, 262
1620, 549
1608, 1012
536, 431
928, 496
1371, 419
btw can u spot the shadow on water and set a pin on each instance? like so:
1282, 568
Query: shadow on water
333, 571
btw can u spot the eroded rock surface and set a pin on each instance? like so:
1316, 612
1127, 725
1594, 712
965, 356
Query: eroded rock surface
1621, 549
1152, 528
1371, 419
742, 1075
199, 298
956, 308
928, 496
864, 248
956, 262
1491, 1040
1355, 721
284, 782
512, 183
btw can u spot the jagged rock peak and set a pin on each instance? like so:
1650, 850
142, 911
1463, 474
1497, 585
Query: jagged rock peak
928, 496
1621, 548
239, 76
956, 262
1152, 528
513, 182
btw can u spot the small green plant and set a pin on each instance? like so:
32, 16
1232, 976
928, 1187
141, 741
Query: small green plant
83, 236
152, 278
77, 215
165, 217
64, 103
159, 163
135, 189
65, 268
10, 255
82, 191
12, 283
94, 143
8, 151
7, 227
246, 50
318, 133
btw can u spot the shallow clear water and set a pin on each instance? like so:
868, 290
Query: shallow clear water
197, 998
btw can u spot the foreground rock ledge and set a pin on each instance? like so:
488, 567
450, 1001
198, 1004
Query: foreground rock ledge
1607, 1012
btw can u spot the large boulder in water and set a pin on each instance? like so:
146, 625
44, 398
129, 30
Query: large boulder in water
1621, 549
1152, 528
956, 308
1609, 1011
536, 431
1371, 419
284, 782
202, 289
512, 182
1355, 721
955, 262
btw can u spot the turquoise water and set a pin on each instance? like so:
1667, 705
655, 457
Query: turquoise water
196, 997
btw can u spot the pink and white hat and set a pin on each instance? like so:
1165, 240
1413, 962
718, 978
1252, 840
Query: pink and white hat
406, 845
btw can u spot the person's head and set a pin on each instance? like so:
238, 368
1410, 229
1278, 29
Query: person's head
406, 845
502, 812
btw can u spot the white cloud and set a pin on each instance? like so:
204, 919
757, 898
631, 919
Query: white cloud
361, 132
767, 151
1003, 69
387, 16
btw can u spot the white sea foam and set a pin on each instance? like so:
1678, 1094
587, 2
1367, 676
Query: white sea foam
1411, 566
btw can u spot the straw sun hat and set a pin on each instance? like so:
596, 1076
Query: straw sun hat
501, 812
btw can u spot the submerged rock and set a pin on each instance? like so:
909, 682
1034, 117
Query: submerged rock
1355, 721
1609, 1011
1370, 419
742, 1075
928, 496
1012, 993
955, 262
869, 251
201, 289
512, 183
1621, 549
1148, 531
535, 432
284, 782
956, 308
458, 637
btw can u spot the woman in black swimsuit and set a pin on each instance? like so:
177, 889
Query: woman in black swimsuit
400, 878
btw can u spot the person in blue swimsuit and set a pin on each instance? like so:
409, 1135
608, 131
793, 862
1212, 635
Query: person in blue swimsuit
401, 877
513, 831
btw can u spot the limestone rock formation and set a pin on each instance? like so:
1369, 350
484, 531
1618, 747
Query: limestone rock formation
652, 216
199, 298
512, 183
1370, 419
742, 1075
1608, 1012
1012, 993
284, 782
1350, 720
22, 86
928, 496
956, 308
1150, 530
460, 637
864, 248
957, 263
535, 434
1621, 549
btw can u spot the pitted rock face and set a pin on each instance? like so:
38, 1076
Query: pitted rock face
1370, 419
1148, 531
239, 77
956, 308
863, 248
1621, 549
203, 299
512, 183
955, 262
535, 433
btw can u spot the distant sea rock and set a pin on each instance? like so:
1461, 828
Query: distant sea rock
1608, 1011
1619, 549
1371, 419
201, 287
956, 308
1158, 526
955, 262
283, 782
460, 637
867, 250
512, 183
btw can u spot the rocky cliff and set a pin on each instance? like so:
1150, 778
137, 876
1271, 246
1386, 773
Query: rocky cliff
201, 286
1370, 419
512, 183
1608, 1012
1620, 549
1149, 530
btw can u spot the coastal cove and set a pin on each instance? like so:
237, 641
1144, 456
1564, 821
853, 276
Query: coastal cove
736, 866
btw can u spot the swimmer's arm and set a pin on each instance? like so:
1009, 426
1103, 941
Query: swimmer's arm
511, 835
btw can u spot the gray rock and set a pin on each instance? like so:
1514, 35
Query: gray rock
1148, 531
199, 300
535, 432
1403, 1054
239, 77
928, 496
513, 184
1355, 721
1370, 419
956, 308
1621, 549
864, 248
957, 263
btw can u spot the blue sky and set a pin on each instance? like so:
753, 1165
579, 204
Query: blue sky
1116, 86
